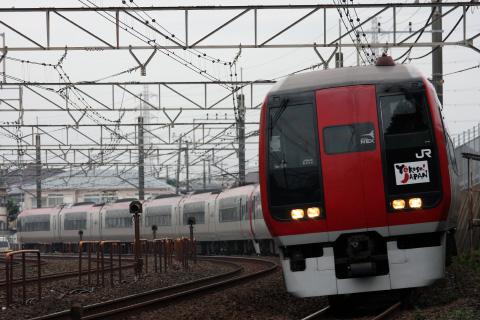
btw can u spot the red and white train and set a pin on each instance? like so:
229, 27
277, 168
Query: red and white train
227, 221
358, 179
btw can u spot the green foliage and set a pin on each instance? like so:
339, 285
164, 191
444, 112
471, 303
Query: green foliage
460, 314
172, 182
12, 209
432, 299
417, 315
468, 261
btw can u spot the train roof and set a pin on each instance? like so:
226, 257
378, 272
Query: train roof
342, 77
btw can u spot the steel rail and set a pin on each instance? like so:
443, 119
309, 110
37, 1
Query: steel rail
318, 314
389, 312
59, 276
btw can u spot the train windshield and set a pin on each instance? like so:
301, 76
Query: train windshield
403, 114
410, 152
294, 176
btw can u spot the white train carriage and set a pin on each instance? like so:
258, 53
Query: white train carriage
116, 221
227, 221
201, 207
159, 212
38, 225
233, 212
258, 227
79, 218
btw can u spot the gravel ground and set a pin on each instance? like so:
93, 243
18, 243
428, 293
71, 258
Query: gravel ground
455, 297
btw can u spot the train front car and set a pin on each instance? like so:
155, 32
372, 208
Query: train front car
355, 169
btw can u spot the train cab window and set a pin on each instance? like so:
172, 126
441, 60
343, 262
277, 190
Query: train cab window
402, 114
293, 160
405, 120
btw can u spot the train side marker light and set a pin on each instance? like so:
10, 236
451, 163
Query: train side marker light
398, 204
297, 213
313, 212
415, 203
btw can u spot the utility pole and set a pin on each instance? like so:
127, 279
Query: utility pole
437, 55
204, 175
241, 138
339, 54
141, 159
178, 163
209, 171
4, 59
38, 169
186, 163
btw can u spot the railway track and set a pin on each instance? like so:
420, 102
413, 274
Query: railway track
164, 296
387, 314
62, 275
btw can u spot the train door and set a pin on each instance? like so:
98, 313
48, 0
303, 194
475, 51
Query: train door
210, 213
59, 235
100, 224
90, 226
245, 217
55, 226
351, 159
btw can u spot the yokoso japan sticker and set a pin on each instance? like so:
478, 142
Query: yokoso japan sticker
412, 172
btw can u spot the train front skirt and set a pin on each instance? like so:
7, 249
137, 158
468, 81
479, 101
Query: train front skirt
407, 268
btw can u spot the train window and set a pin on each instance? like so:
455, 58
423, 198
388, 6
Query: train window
75, 224
160, 216
294, 172
340, 139
194, 210
34, 223
347, 138
228, 210
75, 221
111, 223
403, 114
118, 219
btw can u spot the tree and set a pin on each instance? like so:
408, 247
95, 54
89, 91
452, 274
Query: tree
172, 182
12, 209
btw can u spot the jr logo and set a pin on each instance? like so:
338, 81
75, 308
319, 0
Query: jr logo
423, 153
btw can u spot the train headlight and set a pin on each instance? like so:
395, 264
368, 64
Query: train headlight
415, 203
313, 212
297, 213
398, 204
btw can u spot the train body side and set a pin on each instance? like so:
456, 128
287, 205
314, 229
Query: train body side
242, 220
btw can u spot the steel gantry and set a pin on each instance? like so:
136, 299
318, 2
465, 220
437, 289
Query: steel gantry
324, 11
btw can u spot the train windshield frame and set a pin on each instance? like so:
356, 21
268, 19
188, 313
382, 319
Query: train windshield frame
409, 144
294, 176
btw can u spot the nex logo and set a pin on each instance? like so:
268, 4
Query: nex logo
423, 153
